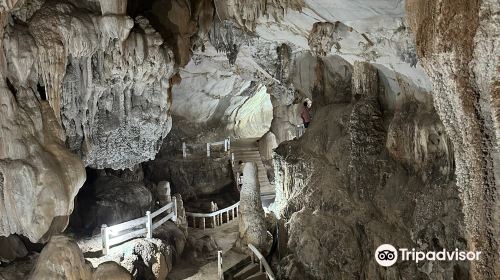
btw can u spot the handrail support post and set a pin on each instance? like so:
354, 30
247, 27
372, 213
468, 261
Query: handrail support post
105, 239
149, 225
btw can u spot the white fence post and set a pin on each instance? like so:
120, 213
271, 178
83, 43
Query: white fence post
219, 265
105, 237
225, 145
208, 149
184, 150
149, 225
228, 143
174, 200
232, 159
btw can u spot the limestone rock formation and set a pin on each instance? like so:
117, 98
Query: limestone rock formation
105, 76
252, 224
349, 184
458, 43
192, 177
247, 13
110, 271
39, 178
148, 259
62, 259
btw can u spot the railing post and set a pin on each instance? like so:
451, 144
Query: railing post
149, 225
184, 150
219, 265
228, 143
232, 159
203, 223
174, 200
233, 213
105, 239
208, 149
225, 145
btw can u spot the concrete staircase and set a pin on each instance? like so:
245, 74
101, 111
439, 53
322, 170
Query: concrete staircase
250, 153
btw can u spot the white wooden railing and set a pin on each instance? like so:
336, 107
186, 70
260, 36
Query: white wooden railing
145, 225
264, 266
217, 217
226, 143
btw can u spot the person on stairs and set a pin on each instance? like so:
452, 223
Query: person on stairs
306, 114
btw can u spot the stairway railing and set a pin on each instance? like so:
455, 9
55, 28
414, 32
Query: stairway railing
264, 266
217, 217
226, 143
125, 231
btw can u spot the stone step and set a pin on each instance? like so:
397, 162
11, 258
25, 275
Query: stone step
247, 272
258, 276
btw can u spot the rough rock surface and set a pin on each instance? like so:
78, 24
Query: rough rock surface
459, 45
62, 259
39, 178
193, 176
252, 225
363, 175
110, 271
105, 77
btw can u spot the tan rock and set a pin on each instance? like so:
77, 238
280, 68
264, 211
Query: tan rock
252, 224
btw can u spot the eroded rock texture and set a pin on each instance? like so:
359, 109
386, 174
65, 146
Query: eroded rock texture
363, 175
252, 225
39, 177
105, 77
459, 45
62, 259
77, 75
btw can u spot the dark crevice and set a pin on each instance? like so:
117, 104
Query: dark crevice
41, 92
11, 87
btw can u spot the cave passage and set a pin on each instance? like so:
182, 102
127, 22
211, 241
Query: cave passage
249, 140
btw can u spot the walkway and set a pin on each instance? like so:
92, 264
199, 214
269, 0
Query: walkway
247, 151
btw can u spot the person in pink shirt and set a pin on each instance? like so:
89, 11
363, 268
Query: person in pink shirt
305, 114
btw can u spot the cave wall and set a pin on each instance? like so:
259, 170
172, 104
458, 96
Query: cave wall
458, 43
105, 75
363, 175
75, 77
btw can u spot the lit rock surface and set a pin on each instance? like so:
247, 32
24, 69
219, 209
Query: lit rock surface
459, 45
106, 82
39, 178
62, 259
359, 177
252, 225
